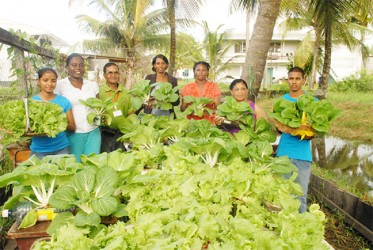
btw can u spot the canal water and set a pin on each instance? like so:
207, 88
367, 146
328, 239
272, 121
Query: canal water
350, 160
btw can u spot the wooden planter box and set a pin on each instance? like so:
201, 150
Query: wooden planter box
358, 213
25, 237
18, 154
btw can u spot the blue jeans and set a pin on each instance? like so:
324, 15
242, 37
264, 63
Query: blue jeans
303, 179
57, 152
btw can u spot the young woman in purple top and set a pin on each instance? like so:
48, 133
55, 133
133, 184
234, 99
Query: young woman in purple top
240, 92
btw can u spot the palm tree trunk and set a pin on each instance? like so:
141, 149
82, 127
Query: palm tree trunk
129, 73
315, 61
323, 87
363, 56
248, 31
256, 55
171, 9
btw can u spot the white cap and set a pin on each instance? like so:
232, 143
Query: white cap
5, 213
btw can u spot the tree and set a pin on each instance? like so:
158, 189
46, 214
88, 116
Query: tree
128, 28
187, 48
256, 55
215, 50
363, 16
330, 15
301, 15
189, 8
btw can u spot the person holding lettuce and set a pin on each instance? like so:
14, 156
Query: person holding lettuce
87, 138
159, 66
119, 96
43, 145
298, 151
240, 92
201, 87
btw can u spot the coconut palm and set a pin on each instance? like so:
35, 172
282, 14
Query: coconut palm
332, 17
256, 54
215, 50
188, 8
187, 48
363, 16
301, 15
128, 28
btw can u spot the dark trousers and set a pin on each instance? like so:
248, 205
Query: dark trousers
109, 141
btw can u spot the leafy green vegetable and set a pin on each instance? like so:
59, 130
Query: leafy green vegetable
198, 105
35, 180
174, 199
92, 191
46, 118
233, 110
165, 95
318, 114
141, 94
98, 108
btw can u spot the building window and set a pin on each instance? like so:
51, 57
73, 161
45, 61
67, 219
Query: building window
275, 47
240, 47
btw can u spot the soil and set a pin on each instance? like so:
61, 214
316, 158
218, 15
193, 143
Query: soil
339, 234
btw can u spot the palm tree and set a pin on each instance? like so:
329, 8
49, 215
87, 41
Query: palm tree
331, 15
189, 8
129, 27
363, 16
215, 50
256, 54
187, 48
301, 15
297, 17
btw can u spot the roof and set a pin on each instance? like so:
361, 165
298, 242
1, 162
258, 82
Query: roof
39, 33
277, 35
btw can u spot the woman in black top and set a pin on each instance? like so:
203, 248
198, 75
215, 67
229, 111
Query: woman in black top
159, 66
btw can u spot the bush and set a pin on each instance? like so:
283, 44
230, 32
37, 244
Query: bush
359, 82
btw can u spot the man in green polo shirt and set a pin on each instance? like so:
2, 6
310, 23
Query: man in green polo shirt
112, 89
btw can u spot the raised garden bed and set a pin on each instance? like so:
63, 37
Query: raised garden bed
25, 237
358, 213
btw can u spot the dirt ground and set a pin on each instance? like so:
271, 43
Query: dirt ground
340, 235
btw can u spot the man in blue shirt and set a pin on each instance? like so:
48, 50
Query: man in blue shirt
298, 151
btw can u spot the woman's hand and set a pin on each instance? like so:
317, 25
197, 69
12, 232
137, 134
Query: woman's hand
218, 120
151, 103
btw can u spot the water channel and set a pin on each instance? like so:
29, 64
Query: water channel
349, 160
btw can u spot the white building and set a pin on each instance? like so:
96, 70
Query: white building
281, 54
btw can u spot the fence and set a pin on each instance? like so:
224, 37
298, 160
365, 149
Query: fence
21, 47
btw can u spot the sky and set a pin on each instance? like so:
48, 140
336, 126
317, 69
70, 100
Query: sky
56, 17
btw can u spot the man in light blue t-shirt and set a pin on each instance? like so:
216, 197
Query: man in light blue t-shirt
298, 151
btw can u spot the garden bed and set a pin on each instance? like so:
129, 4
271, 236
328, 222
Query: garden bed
358, 213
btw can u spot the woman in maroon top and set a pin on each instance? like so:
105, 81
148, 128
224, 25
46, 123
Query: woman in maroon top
240, 92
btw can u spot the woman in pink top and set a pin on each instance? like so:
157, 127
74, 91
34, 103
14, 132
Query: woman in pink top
240, 92
201, 88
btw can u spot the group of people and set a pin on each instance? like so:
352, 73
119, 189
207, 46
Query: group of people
81, 137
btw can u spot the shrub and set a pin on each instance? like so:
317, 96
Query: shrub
359, 82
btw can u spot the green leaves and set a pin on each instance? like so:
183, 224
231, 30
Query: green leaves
205, 189
140, 93
46, 118
198, 105
92, 190
98, 108
319, 114
233, 110
165, 95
